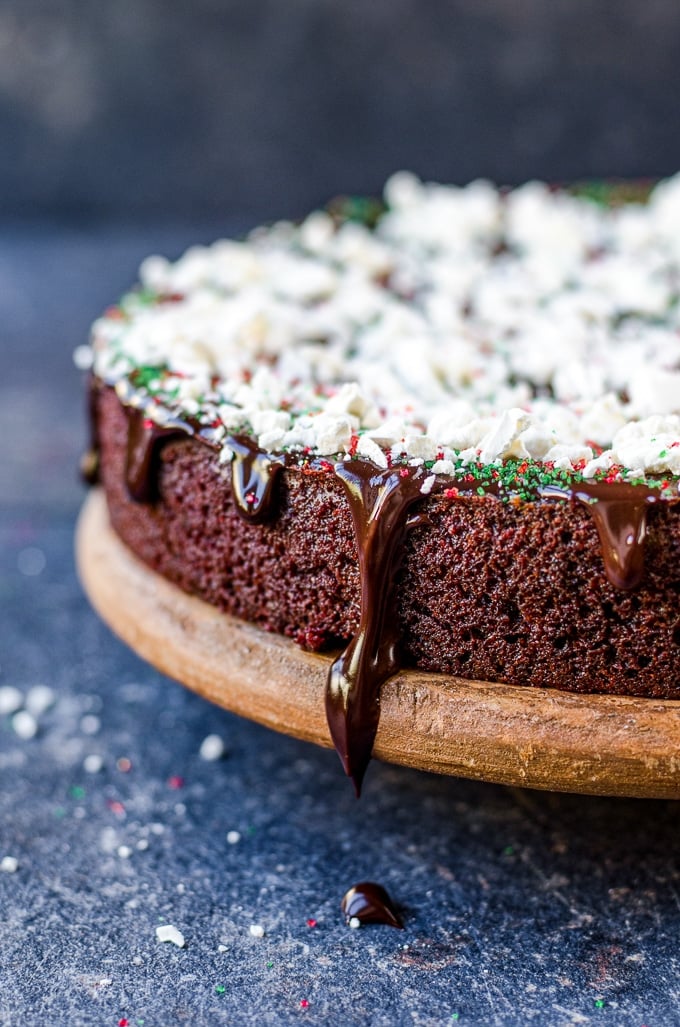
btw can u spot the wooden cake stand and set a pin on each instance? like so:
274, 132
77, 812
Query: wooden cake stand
538, 738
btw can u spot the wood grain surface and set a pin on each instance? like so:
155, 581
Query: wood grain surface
537, 738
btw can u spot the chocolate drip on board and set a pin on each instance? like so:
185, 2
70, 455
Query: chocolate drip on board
379, 502
370, 904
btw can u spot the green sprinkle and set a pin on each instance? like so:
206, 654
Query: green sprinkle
269, 965
599, 1003
59, 811
220, 989
508, 851
77, 792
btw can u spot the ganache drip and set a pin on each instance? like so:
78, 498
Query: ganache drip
619, 513
253, 479
145, 438
379, 501
370, 904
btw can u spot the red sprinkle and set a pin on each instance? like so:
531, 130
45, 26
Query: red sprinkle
304, 1003
311, 922
451, 493
148, 423
175, 782
251, 498
123, 1022
116, 807
403, 473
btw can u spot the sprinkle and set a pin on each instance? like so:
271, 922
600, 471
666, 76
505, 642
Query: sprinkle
39, 699
220, 989
116, 807
124, 765
176, 782
269, 964
24, 725
599, 1003
256, 930
90, 725
311, 922
123, 1022
93, 763
212, 748
354, 922
77, 792
222, 948
11, 700
124, 851
9, 864
233, 837
170, 933
304, 1003
143, 844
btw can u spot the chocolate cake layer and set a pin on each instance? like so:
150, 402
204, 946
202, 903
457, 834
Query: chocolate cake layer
487, 590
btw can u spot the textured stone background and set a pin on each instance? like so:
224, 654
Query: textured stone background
139, 107
176, 122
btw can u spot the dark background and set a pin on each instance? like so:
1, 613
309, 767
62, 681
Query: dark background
138, 109
136, 126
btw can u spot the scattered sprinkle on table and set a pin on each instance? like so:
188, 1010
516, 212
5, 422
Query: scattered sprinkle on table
256, 930
124, 851
9, 864
168, 932
212, 748
24, 724
124, 765
233, 837
93, 763
39, 699
354, 922
89, 724
220, 989
304, 1003
175, 782
311, 922
11, 700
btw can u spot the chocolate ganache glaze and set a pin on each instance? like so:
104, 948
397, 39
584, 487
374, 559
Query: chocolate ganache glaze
380, 502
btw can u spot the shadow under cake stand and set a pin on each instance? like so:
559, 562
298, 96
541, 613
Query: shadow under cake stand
537, 738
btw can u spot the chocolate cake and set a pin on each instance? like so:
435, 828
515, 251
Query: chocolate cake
448, 439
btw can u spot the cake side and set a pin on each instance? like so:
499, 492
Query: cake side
486, 590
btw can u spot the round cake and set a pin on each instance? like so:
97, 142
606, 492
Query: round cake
440, 432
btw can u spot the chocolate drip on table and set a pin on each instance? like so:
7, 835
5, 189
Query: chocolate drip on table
369, 903
379, 501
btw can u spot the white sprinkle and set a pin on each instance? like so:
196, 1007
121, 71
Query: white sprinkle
233, 837
24, 724
180, 809
256, 930
82, 358
39, 699
222, 948
93, 763
104, 982
143, 844
11, 700
157, 828
124, 851
426, 487
9, 864
170, 933
354, 922
31, 561
181, 888
212, 748
137, 960
89, 724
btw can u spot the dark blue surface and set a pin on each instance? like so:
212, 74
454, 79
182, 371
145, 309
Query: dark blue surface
520, 907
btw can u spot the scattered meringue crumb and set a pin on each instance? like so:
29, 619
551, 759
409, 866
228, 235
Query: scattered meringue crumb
24, 724
233, 837
93, 763
11, 700
354, 922
256, 930
9, 864
222, 948
212, 748
39, 699
90, 725
168, 932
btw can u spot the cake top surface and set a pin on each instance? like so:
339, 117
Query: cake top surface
469, 327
